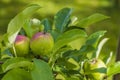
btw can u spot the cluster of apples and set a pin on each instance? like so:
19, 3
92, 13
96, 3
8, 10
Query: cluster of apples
40, 44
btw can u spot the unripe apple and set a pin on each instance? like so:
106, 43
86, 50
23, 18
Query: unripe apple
21, 45
42, 43
95, 69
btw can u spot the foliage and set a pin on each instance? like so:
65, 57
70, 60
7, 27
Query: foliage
63, 62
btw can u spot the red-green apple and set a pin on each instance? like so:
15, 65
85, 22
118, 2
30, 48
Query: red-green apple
21, 45
42, 43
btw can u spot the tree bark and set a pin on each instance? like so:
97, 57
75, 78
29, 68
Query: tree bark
117, 76
116, 3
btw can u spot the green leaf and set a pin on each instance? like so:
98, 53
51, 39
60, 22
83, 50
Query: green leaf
91, 20
32, 26
15, 63
94, 38
27, 28
113, 69
89, 46
73, 21
17, 74
67, 37
72, 78
41, 71
108, 58
64, 39
17, 23
47, 25
62, 18
55, 34
100, 46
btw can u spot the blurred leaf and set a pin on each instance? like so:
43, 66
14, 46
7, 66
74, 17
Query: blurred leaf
72, 78
55, 34
41, 71
47, 25
99, 70
91, 20
63, 76
89, 46
100, 45
15, 63
62, 18
70, 75
5, 53
17, 74
1, 76
71, 62
61, 51
64, 39
94, 38
32, 26
68, 64
17, 23
73, 21
113, 69
75, 27
67, 37
108, 59
27, 28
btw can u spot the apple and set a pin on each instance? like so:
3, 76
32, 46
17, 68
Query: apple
21, 45
95, 69
42, 43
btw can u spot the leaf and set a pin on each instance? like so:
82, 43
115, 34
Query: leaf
55, 34
89, 46
73, 21
17, 74
5, 53
108, 59
72, 78
100, 45
32, 26
41, 71
64, 39
15, 63
27, 28
67, 37
47, 25
69, 64
94, 38
62, 18
91, 20
17, 23
113, 69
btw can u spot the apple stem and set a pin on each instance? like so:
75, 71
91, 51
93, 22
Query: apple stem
44, 32
14, 51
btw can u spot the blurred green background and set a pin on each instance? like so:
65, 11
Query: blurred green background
82, 8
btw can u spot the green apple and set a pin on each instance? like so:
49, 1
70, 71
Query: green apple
42, 43
21, 45
95, 69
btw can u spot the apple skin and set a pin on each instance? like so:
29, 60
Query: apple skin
21, 45
95, 69
42, 43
